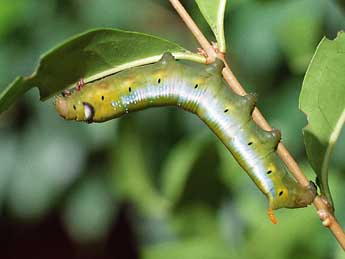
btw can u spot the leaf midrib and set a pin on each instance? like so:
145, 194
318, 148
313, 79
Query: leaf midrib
331, 142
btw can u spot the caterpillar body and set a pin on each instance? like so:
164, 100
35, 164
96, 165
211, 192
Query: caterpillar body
199, 89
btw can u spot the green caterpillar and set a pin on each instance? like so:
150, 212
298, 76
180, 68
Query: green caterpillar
199, 89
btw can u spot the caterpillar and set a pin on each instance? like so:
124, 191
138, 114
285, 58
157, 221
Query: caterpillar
201, 90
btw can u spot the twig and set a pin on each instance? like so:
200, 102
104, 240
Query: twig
325, 215
195, 30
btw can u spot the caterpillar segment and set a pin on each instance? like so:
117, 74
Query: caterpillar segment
199, 89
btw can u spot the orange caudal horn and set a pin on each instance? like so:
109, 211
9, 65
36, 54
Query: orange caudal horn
271, 216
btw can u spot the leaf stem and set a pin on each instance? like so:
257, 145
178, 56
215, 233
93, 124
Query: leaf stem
195, 30
325, 215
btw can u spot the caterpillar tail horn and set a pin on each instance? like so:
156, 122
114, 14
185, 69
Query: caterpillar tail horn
271, 216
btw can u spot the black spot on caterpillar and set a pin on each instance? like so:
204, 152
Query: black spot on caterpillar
137, 89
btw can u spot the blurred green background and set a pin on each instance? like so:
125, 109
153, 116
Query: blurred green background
157, 184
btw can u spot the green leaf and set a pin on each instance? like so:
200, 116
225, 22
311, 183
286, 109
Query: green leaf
91, 56
179, 164
213, 11
322, 99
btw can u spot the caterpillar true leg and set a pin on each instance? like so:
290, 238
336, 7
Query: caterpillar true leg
65, 93
80, 84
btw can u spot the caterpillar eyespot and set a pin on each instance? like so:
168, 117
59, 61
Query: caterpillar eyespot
89, 112
234, 127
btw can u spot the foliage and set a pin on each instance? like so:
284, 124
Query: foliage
214, 15
322, 100
91, 55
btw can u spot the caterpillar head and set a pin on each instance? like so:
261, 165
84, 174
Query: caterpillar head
90, 104
70, 110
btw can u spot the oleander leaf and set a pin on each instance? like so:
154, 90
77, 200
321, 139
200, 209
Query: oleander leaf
213, 11
91, 56
322, 99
